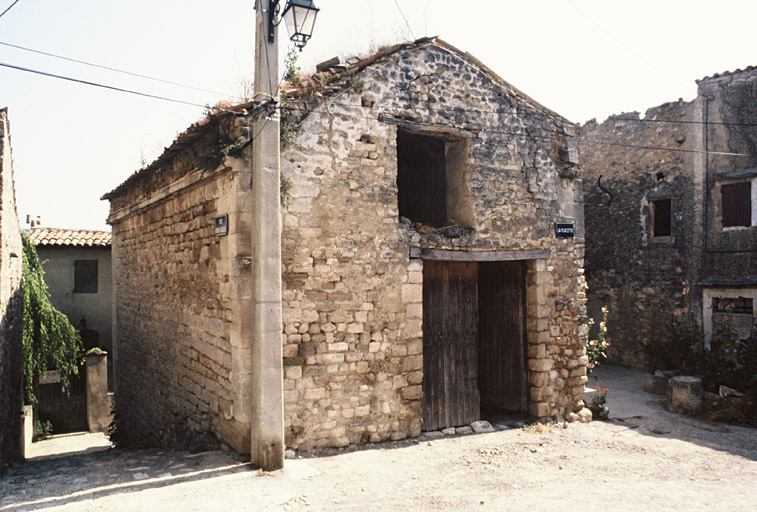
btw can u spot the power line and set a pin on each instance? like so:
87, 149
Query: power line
113, 88
404, 18
535, 136
9, 8
116, 70
522, 134
547, 116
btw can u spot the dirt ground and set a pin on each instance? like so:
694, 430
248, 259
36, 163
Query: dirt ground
644, 458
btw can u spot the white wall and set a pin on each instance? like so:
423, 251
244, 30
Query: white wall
58, 263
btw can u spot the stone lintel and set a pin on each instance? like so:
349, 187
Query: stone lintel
454, 255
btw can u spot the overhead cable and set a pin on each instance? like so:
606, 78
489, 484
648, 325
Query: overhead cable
404, 18
116, 70
9, 8
113, 88
536, 136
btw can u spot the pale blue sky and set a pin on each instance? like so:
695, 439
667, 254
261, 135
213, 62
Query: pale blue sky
72, 143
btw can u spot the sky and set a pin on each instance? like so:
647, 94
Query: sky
72, 142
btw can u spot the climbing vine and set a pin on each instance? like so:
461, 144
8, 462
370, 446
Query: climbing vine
289, 122
50, 341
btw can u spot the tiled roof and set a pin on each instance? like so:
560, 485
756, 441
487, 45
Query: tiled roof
72, 237
727, 73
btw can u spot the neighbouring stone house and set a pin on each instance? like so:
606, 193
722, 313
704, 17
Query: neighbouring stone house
432, 246
671, 198
11, 307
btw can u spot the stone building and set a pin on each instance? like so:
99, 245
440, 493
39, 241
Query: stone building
671, 198
78, 276
11, 307
432, 246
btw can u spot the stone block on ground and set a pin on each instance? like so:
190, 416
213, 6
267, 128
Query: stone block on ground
584, 415
430, 436
685, 395
482, 426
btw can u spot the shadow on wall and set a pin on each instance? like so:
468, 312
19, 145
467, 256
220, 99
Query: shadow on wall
11, 381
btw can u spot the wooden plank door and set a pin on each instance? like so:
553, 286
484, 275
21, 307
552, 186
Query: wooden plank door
450, 361
502, 342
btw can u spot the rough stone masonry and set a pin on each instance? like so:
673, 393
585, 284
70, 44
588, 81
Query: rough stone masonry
353, 266
656, 193
11, 307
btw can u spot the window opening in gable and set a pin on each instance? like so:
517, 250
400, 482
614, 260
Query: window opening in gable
736, 204
431, 180
85, 276
661, 217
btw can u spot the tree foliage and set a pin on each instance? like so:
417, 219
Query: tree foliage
50, 341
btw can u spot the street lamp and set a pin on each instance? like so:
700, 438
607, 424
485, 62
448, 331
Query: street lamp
299, 16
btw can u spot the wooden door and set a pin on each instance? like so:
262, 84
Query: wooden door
450, 362
502, 343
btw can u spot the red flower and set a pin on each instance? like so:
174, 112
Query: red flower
607, 390
598, 388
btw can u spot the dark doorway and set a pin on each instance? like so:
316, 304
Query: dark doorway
473, 340
502, 374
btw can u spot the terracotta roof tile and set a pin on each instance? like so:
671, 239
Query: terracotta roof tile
727, 73
72, 237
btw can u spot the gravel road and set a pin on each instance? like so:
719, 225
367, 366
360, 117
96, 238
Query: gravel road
644, 458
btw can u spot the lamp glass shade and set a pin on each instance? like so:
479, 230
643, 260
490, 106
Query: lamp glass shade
299, 16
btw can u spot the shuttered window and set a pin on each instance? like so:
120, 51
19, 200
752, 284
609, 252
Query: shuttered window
737, 204
85, 276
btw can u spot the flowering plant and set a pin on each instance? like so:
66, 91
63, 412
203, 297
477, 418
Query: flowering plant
596, 349
600, 398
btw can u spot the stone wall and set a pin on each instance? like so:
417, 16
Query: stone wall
353, 296
352, 269
11, 307
683, 151
637, 275
730, 255
181, 296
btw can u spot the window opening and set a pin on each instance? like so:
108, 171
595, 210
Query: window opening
85, 276
735, 305
661, 215
736, 204
431, 180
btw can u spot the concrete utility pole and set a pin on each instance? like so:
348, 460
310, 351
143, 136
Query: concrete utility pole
267, 425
